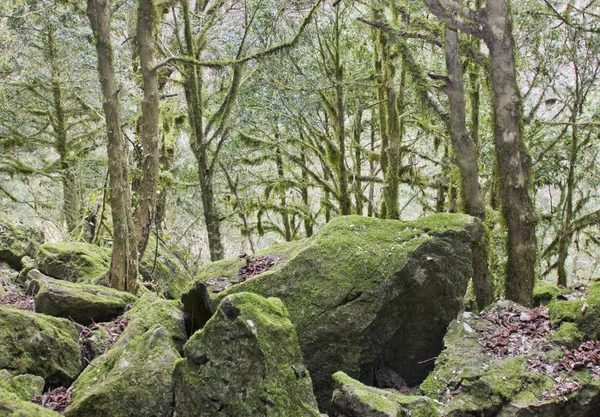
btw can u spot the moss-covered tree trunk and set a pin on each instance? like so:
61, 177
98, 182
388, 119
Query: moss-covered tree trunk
493, 25
466, 159
123, 270
59, 124
193, 95
513, 159
145, 208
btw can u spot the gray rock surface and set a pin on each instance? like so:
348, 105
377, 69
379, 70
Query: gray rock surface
246, 362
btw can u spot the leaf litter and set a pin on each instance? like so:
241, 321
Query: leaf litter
521, 331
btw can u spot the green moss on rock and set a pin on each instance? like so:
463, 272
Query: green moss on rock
18, 240
352, 398
565, 311
568, 335
130, 380
38, 344
359, 292
11, 405
73, 261
246, 361
24, 386
83, 303
544, 292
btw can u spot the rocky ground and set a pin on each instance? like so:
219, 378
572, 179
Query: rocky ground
362, 320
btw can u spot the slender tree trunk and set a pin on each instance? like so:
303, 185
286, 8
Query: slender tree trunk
308, 222
392, 176
59, 123
193, 95
371, 206
123, 270
340, 131
285, 217
357, 132
466, 159
566, 232
145, 208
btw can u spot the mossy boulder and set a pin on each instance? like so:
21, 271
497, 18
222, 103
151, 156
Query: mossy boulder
134, 377
353, 399
83, 303
11, 405
544, 292
130, 380
359, 292
73, 261
468, 381
160, 270
24, 386
32, 343
247, 362
18, 240
584, 313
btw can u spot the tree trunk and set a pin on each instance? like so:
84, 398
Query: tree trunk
59, 124
123, 270
285, 217
342, 171
513, 159
145, 207
493, 25
466, 159
193, 95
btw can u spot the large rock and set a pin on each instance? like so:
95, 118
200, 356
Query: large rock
84, 262
73, 261
247, 362
83, 303
364, 294
469, 381
353, 399
134, 377
18, 240
38, 344
11, 405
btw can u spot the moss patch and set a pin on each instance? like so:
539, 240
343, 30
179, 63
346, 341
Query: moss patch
353, 398
24, 386
17, 240
38, 344
83, 303
544, 292
73, 261
568, 335
246, 361
11, 405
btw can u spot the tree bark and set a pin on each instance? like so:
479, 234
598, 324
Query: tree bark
466, 159
193, 95
493, 25
145, 208
59, 124
123, 270
513, 159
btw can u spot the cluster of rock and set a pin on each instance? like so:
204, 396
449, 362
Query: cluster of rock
341, 323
